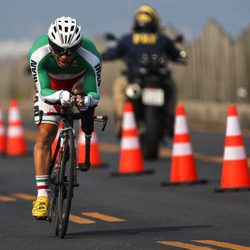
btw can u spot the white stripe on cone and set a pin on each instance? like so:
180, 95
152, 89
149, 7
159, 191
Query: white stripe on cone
181, 125
14, 115
234, 153
182, 149
82, 137
130, 143
128, 121
14, 131
233, 127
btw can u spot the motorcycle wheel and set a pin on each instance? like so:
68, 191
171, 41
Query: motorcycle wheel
152, 136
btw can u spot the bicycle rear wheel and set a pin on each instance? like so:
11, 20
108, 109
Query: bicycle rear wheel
66, 183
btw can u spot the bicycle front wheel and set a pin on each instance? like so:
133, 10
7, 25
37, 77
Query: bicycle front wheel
66, 183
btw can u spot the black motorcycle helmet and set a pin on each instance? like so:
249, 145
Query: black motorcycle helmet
146, 19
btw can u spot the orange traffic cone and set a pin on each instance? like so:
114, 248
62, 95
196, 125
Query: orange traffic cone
15, 135
95, 156
183, 169
235, 165
2, 134
131, 159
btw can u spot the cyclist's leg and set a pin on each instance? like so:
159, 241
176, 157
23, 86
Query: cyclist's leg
87, 122
46, 132
87, 125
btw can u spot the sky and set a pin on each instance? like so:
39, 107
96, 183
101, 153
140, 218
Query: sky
27, 19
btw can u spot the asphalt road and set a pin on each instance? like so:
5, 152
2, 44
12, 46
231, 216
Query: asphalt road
135, 212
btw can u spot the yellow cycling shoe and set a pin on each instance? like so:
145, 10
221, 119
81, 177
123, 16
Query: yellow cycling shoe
40, 207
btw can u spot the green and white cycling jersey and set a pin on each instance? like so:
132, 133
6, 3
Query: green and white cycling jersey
50, 79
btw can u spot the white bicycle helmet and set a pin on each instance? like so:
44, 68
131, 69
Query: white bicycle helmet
65, 32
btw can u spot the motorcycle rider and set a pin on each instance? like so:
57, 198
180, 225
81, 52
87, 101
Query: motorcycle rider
146, 37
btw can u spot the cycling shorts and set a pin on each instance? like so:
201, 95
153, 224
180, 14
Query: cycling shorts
39, 105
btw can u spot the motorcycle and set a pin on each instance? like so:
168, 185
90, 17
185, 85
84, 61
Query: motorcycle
152, 93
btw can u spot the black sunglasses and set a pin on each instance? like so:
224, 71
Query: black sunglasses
62, 51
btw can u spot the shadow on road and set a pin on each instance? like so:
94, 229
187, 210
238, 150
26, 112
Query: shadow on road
129, 231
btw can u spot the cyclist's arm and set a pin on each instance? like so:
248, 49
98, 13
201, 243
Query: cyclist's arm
37, 58
93, 65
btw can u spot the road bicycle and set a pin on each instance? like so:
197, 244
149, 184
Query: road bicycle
63, 167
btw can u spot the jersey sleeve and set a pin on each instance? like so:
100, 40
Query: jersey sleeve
93, 64
38, 55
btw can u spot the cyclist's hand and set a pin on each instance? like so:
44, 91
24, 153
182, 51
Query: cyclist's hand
86, 100
79, 101
65, 98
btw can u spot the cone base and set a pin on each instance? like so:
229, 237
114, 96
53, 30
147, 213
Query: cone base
117, 174
202, 181
99, 165
222, 190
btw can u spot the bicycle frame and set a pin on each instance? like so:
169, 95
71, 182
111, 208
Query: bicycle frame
58, 186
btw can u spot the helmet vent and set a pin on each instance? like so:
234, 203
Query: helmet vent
60, 27
55, 29
61, 37
66, 29
70, 36
78, 36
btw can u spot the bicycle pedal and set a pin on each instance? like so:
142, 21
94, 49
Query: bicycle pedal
83, 166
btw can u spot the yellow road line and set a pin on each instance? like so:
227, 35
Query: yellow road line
103, 217
23, 196
80, 220
184, 245
223, 244
6, 198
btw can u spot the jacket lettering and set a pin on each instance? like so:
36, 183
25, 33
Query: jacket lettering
33, 67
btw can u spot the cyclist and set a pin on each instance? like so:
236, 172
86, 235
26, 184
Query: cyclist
146, 37
61, 62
